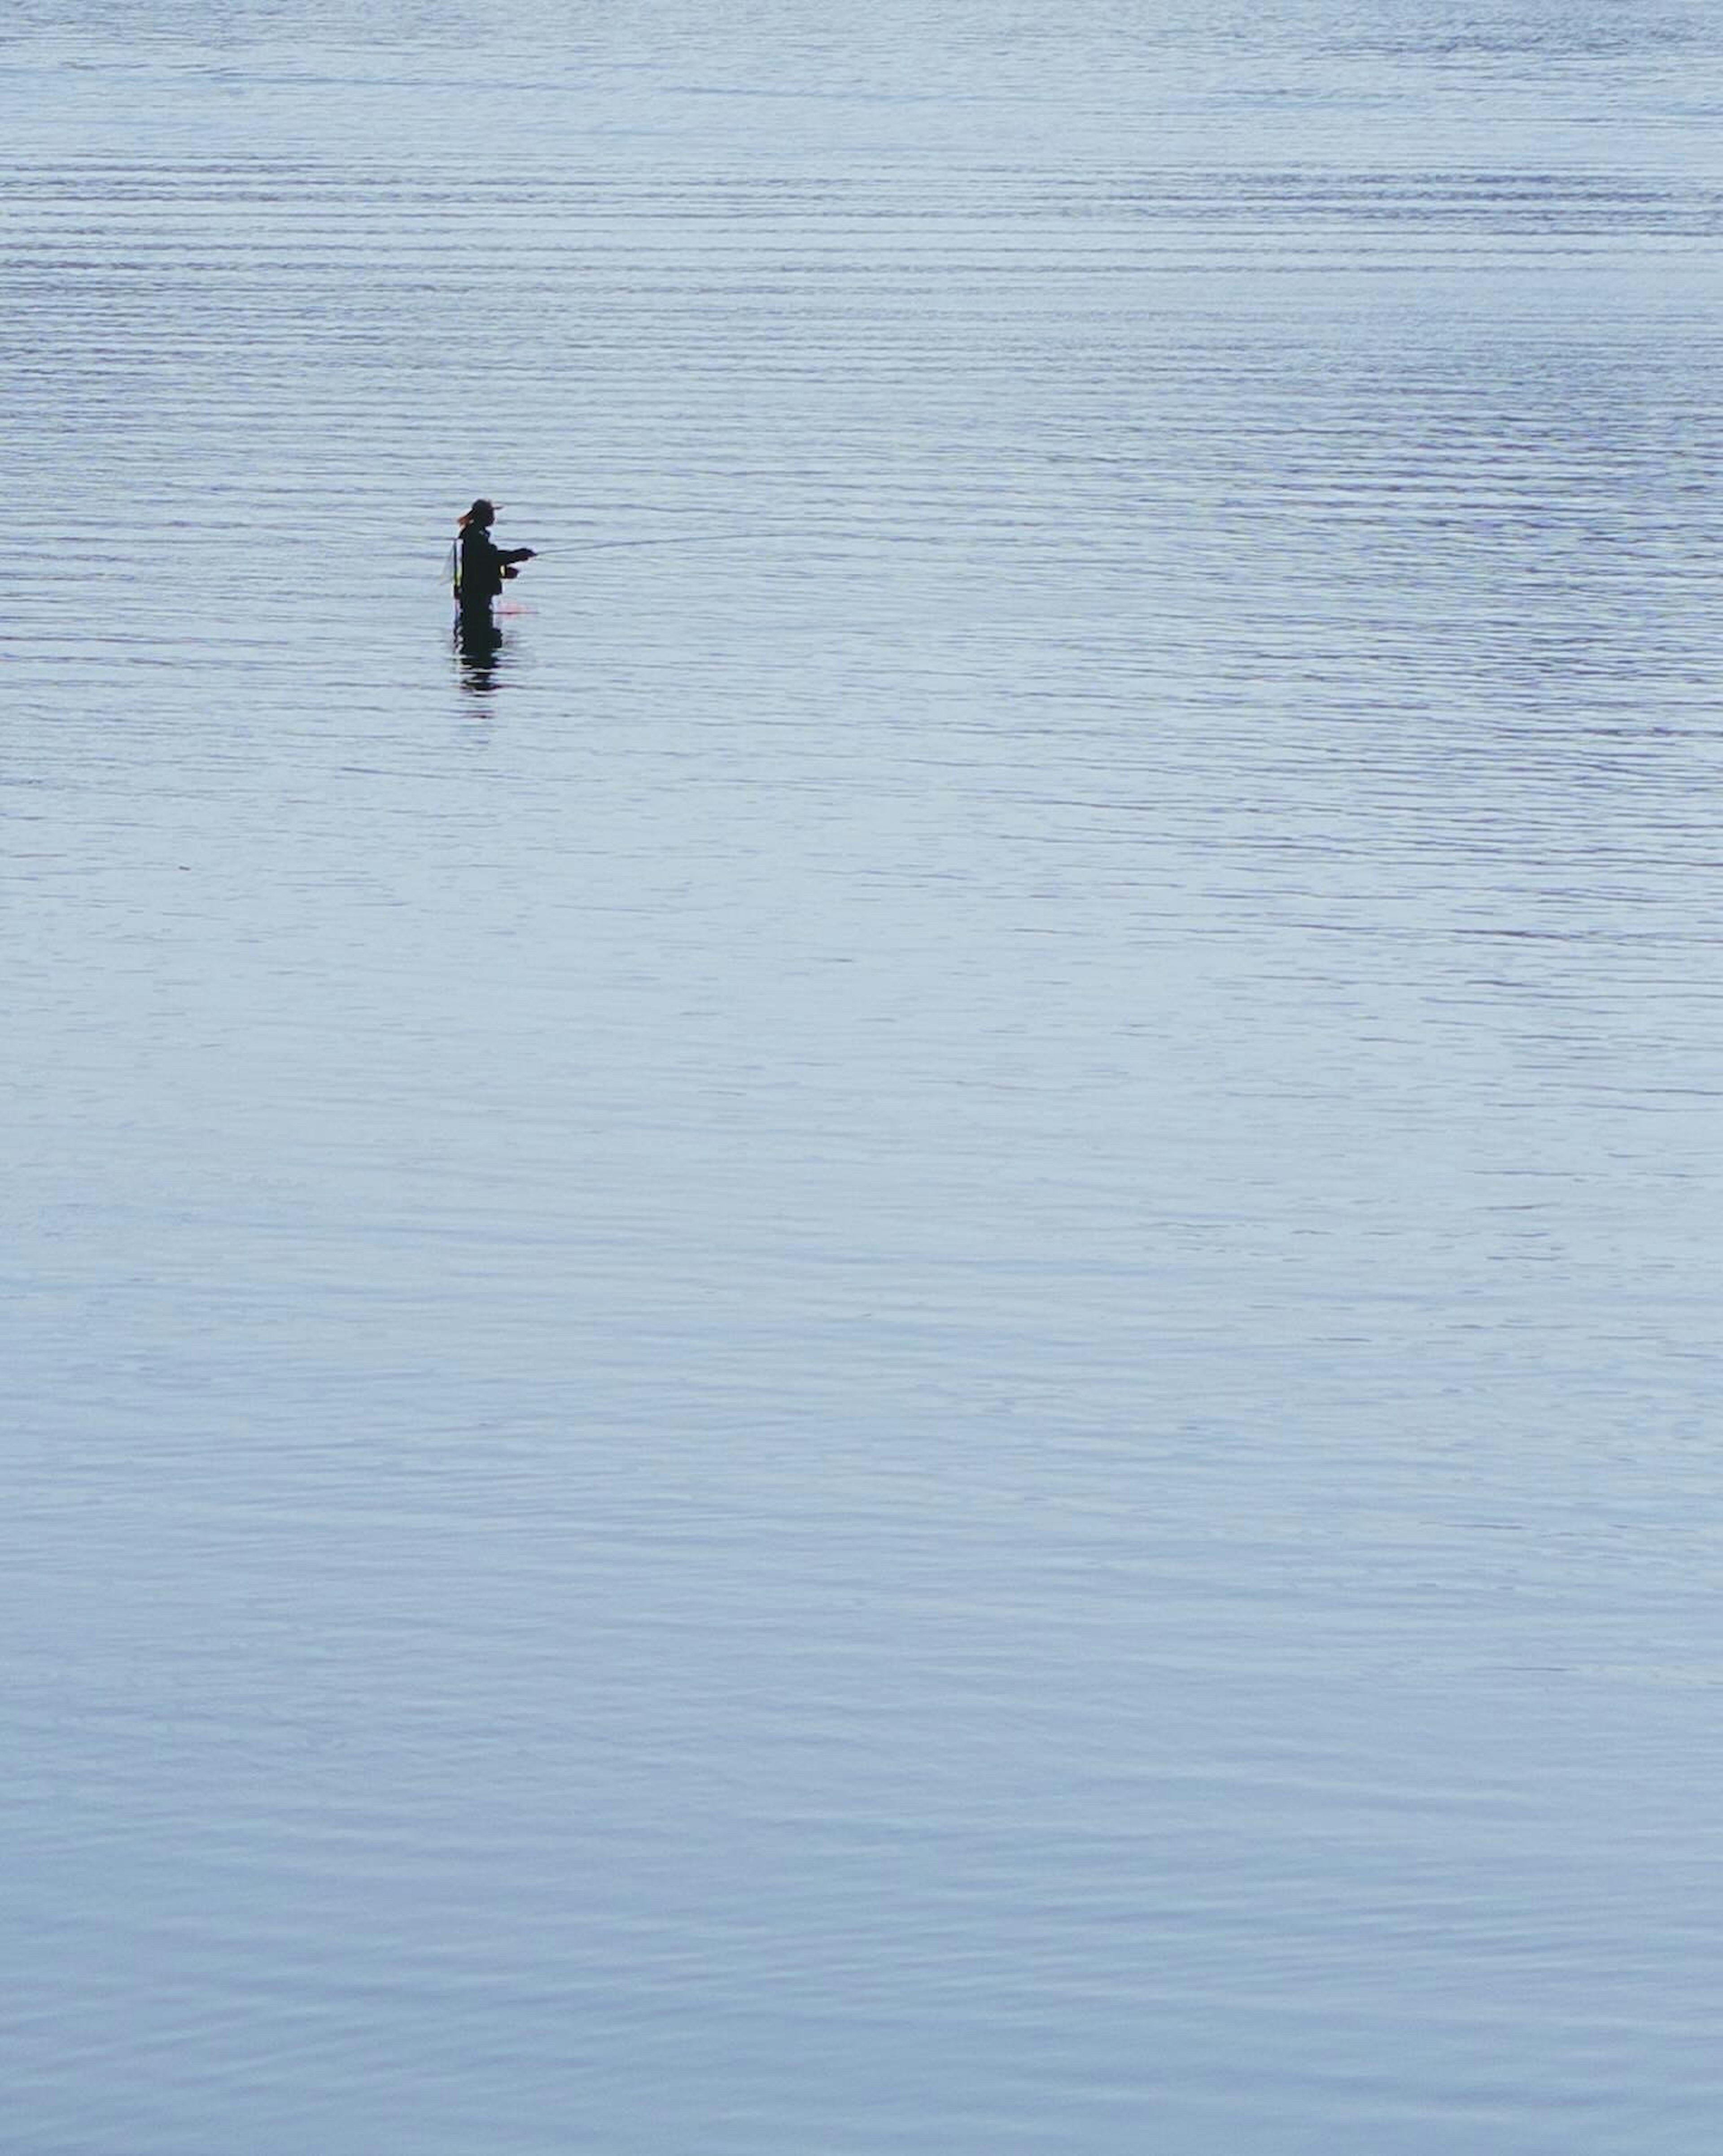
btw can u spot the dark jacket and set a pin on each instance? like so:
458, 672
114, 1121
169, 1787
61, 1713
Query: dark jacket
480, 563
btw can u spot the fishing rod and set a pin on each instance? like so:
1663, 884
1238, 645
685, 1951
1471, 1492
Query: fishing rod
673, 539
604, 546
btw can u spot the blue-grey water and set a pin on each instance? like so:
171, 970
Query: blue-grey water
915, 1347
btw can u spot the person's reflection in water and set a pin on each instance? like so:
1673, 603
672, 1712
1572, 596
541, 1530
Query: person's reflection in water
480, 569
478, 643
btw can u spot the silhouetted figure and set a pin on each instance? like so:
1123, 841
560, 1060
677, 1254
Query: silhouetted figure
480, 566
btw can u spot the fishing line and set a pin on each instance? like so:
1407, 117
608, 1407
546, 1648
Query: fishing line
452, 560
674, 539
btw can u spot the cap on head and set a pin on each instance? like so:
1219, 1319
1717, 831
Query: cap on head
481, 512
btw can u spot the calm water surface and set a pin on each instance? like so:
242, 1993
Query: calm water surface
915, 1348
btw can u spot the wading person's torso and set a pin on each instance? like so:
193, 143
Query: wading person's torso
481, 570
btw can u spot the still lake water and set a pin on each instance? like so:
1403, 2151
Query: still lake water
916, 1348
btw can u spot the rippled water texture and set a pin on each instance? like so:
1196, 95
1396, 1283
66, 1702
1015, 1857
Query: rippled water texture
914, 1347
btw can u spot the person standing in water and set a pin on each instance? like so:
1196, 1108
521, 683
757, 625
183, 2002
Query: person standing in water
480, 566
